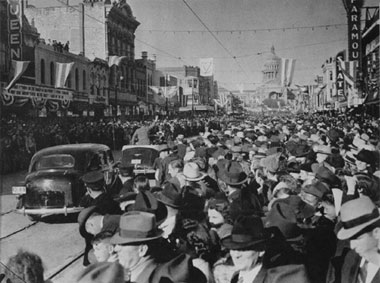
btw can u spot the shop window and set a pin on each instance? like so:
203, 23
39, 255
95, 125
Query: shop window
84, 80
42, 71
68, 82
52, 73
76, 79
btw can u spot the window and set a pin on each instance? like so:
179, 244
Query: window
76, 79
331, 76
84, 80
68, 82
42, 71
52, 73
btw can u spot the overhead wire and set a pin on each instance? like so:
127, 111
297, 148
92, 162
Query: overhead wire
215, 37
141, 41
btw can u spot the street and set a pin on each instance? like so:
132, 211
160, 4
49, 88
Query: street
58, 244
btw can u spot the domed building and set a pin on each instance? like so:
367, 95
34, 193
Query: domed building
271, 71
271, 83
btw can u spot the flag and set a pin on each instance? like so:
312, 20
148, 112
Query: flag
206, 66
287, 71
115, 60
62, 72
19, 67
348, 70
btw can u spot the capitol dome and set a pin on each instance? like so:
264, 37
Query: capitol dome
271, 70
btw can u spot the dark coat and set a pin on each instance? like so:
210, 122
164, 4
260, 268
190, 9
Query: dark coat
321, 244
349, 270
291, 273
163, 174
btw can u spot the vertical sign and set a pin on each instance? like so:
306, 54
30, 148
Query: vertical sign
354, 34
15, 13
340, 96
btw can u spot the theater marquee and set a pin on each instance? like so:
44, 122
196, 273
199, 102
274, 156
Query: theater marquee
354, 34
15, 12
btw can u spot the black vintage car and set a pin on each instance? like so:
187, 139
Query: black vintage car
53, 184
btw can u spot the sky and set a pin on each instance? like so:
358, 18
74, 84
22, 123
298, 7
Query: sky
238, 35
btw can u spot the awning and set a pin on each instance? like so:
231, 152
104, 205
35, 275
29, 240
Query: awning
196, 108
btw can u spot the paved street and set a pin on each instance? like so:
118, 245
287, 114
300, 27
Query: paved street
59, 244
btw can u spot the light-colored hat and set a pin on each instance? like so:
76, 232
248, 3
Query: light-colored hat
356, 215
324, 149
240, 135
192, 172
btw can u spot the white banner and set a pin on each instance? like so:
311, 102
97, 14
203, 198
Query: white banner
207, 66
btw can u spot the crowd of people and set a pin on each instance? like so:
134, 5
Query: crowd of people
261, 199
21, 138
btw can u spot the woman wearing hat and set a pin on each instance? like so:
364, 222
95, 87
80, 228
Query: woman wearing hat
248, 240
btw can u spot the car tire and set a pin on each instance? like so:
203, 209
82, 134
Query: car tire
34, 218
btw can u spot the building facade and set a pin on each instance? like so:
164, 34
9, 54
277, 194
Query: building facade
96, 30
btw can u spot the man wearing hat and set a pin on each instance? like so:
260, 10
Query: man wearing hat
96, 194
163, 171
181, 146
360, 225
139, 250
365, 162
248, 239
243, 201
171, 197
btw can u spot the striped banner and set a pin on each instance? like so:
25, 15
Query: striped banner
61, 74
287, 71
348, 70
115, 60
19, 68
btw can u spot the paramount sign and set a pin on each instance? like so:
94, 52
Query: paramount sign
15, 12
354, 35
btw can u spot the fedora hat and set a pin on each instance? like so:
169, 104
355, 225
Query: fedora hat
147, 202
102, 272
180, 270
192, 172
365, 156
170, 195
94, 179
232, 173
136, 227
283, 216
247, 233
316, 188
301, 209
327, 176
356, 215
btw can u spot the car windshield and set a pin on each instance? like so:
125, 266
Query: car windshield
55, 161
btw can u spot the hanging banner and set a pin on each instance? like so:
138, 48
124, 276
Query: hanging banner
207, 67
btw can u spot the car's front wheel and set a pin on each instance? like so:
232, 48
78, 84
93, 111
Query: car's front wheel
34, 218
